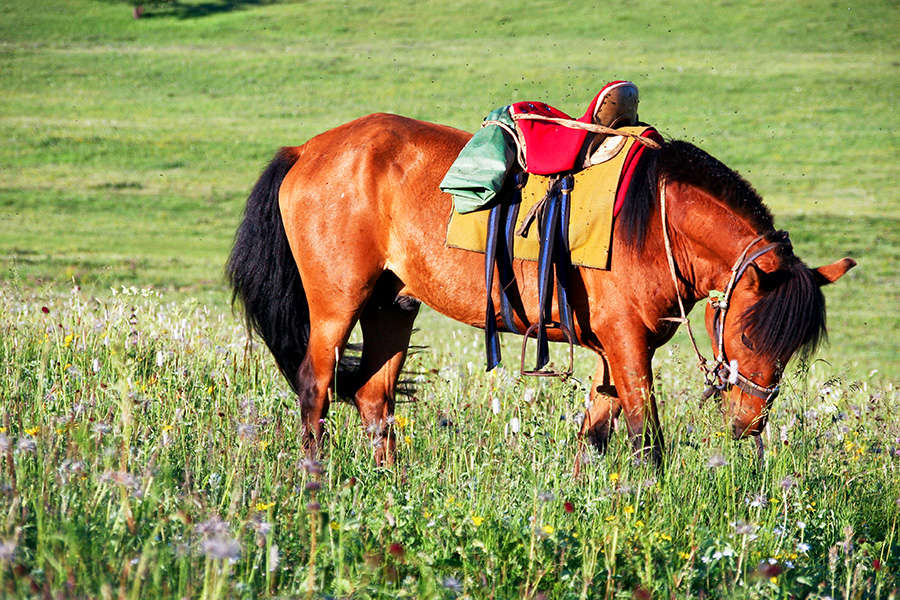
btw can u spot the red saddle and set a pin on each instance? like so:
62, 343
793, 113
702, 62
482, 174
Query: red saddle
552, 148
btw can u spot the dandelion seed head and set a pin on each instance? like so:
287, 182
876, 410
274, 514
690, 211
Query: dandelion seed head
716, 460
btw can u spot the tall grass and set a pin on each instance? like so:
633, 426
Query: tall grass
149, 451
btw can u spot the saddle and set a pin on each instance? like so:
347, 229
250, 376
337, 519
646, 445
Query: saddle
534, 139
551, 147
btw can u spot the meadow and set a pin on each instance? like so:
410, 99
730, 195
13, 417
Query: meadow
149, 450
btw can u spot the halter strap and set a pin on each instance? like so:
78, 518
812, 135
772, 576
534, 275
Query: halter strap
722, 373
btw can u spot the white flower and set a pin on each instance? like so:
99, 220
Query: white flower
495, 405
514, 425
803, 547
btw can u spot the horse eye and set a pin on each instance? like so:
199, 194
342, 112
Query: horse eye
746, 341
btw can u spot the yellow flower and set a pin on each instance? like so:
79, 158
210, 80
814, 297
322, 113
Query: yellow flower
548, 529
68, 340
638, 523
400, 421
263, 444
33, 430
167, 428
613, 477
426, 514
774, 580
575, 535
264, 506
477, 520
610, 518
209, 390
683, 555
407, 440
629, 509
334, 525
666, 537
2, 429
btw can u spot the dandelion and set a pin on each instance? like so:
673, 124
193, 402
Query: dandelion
716, 460
613, 477
757, 500
32, 431
401, 422
125, 479
477, 521
629, 509
547, 530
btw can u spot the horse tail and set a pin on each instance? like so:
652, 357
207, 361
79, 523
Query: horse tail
263, 274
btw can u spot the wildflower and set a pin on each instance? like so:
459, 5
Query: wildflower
683, 555
569, 507
125, 479
639, 524
262, 528
313, 506
33, 431
787, 483
334, 525
528, 397
546, 496
67, 341
396, 550
803, 547
311, 466
716, 460
26, 444
274, 558
221, 547
313, 486
546, 530
264, 506
453, 584
757, 500
477, 520
7, 550
495, 405
613, 477
514, 425
629, 509
744, 528
95, 365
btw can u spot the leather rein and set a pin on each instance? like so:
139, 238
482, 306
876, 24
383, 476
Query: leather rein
722, 373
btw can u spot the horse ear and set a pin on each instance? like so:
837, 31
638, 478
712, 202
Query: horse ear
831, 273
754, 276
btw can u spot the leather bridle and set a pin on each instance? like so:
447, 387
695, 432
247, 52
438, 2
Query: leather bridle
722, 373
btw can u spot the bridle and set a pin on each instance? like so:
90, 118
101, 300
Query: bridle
722, 373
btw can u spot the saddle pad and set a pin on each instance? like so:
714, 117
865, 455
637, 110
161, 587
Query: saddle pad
590, 223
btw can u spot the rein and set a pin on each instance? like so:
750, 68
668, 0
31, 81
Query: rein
721, 373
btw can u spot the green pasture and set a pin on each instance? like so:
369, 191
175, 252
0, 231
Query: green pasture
141, 443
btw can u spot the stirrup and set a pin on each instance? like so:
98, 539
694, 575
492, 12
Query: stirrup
548, 373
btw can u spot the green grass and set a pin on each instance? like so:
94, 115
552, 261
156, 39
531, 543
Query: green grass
129, 147
145, 455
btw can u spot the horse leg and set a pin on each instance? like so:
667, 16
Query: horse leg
387, 325
327, 338
600, 415
630, 364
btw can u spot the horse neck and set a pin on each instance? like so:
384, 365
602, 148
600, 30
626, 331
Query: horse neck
707, 237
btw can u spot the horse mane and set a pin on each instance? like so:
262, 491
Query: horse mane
682, 161
790, 315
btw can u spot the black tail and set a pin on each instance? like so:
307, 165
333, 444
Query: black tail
263, 274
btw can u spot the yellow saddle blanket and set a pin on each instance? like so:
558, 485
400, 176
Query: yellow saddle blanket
590, 219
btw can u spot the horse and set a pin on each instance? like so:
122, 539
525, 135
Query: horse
349, 227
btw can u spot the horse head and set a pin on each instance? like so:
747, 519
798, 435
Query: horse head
768, 317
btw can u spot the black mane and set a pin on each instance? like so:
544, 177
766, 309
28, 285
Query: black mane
791, 313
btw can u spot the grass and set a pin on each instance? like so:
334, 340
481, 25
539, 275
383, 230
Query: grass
146, 456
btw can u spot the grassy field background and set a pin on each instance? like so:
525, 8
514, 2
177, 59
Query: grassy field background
129, 149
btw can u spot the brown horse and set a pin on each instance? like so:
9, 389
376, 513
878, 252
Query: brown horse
350, 227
